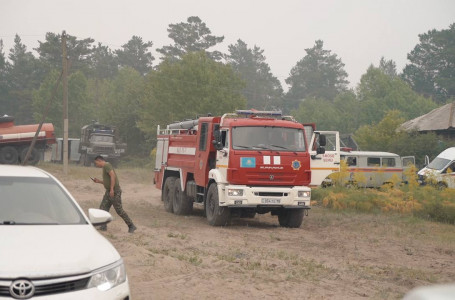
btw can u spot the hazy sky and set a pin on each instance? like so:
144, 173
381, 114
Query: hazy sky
360, 32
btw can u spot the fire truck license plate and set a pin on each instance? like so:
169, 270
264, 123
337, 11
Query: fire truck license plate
270, 201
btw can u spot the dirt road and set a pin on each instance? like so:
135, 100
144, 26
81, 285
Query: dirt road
332, 256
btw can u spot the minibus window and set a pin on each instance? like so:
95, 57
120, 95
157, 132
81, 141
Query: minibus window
373, 161
388, 162
351, 161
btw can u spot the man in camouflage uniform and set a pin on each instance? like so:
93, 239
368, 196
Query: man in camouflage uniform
113, 194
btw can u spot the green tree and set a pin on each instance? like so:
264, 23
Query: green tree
135, 54
322, 112
23, 71
193, 36
319, 74
431, 70
388, 67
378, 93
120, 105
195, 85
80, 109
2, 57
3, 81
103, 62
380, 136
263, 91
79, 52
348, 112
22, 76
340, 115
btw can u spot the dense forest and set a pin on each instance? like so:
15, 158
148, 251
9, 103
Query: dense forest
131, 89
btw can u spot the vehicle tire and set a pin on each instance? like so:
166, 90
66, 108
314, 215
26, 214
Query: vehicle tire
8, 155
441, 185
216, 215
181, 204
167, 194
291, 218
34, 157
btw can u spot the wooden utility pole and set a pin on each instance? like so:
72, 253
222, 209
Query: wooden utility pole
65, 103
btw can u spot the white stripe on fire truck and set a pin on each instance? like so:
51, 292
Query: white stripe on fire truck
182, 150
276, 160
22, 135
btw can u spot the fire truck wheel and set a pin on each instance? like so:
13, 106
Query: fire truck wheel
216, 215
167, 195
33, 159
8, 155
181, 204
291, 218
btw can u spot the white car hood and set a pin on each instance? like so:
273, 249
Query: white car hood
32, 251
425, 172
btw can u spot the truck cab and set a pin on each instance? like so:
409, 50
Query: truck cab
98, 139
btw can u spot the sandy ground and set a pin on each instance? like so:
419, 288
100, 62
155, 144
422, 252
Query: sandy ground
332, 256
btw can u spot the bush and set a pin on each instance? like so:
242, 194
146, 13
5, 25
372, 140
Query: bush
424, 202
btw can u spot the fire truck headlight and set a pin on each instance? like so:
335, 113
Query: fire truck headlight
304, 194
235, 192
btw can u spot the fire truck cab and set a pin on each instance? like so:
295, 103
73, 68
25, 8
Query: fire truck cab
238, 164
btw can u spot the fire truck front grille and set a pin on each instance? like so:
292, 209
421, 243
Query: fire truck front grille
270, 194
275, 179
103, 149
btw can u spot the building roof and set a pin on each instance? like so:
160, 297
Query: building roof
441, 118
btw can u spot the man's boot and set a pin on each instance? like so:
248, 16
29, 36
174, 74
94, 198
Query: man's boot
131, 228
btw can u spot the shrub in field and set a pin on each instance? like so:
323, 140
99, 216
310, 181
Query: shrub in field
410, 175
400, 202
424, 202
342, 177
436, 205
360, 179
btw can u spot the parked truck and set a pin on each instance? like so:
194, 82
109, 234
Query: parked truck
16, 140
98, 139
240, 164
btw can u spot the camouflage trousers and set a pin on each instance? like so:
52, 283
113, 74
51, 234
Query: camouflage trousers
115, 201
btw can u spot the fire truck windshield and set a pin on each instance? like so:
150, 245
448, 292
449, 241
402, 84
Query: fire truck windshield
268, 138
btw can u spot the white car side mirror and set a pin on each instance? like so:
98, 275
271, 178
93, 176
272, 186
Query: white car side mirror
99, 216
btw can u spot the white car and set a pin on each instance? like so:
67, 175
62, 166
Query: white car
49, 249
441, 170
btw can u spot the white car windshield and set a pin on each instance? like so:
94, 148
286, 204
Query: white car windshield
438, 163
268, 138
37, 201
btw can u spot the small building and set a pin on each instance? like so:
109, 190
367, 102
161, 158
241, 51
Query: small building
440, 120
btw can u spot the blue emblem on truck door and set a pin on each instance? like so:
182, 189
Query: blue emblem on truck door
248, 162
296, 165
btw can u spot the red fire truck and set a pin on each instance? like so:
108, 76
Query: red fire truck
15, 140
240, 164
